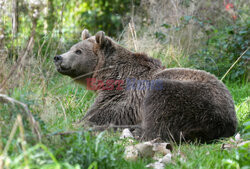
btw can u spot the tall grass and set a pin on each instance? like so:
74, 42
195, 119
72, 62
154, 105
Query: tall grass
57, 103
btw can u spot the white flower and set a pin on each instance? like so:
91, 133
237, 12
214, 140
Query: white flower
36, 13
1, 36
35, 2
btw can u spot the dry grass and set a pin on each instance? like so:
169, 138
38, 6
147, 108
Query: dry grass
189, 22
170, 54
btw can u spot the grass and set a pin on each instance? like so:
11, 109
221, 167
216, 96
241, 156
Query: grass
241, 97
57, 103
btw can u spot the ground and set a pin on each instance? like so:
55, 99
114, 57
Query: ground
57, 102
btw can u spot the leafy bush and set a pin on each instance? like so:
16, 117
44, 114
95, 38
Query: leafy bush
106, 15
223, 48
53, 21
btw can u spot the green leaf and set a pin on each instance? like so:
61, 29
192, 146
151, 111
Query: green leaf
93, 165
166, 25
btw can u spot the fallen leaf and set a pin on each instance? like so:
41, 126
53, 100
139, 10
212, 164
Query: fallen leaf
167, 158
131, 153
237, 137
244, 143
145, 149
227, 146
162, 148
156, 165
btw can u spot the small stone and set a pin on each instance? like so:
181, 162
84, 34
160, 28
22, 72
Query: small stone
126, 134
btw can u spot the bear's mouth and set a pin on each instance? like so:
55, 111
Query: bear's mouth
63, 69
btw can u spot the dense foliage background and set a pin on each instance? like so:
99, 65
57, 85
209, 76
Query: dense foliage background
212, 34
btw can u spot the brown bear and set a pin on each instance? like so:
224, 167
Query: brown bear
132, 88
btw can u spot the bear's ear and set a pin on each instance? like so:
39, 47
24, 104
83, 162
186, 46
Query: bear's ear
85, 34
100, 38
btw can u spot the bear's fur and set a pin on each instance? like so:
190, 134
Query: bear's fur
191, 104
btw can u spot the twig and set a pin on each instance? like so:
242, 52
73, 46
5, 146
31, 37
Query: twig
12, 134
234, 63
18, 123
14, 68
133, 33
142, 136
33, 123
110, 126
96, 128
64, 133
22, 135
64, 112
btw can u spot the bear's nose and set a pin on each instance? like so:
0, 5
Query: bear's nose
57, 58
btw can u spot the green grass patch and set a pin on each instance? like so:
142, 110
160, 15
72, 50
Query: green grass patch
57, 103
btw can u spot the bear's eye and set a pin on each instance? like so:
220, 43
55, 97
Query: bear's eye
78, 52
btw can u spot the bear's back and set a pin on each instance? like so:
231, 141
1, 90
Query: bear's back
186, 74
192, 103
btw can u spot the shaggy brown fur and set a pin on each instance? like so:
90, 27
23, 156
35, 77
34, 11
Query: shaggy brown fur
191, 104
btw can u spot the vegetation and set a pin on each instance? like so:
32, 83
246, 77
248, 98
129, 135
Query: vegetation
34, 31
223, 48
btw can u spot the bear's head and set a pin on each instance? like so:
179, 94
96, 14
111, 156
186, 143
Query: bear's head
82, 59
102, 58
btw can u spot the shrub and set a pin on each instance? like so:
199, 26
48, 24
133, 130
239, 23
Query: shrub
223, 48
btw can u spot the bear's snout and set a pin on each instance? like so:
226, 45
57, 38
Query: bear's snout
57, 58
